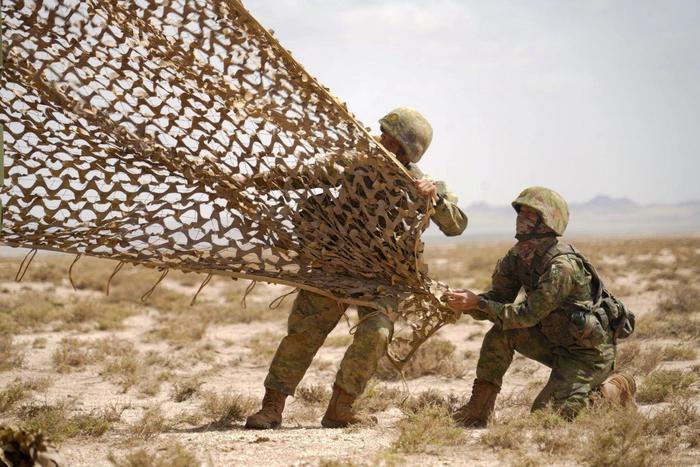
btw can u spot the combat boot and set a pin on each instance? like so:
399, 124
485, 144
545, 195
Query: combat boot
619, 388
339, 413
270, 415
478, 411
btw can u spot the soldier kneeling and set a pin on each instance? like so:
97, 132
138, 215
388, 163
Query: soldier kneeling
560, 323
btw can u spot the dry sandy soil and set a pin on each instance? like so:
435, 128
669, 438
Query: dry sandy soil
117, 381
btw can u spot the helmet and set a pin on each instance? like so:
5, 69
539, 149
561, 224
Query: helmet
548, 203
410, 129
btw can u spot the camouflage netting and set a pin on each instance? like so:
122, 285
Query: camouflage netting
180, 134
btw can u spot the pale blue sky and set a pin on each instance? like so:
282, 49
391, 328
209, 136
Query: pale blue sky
587, 97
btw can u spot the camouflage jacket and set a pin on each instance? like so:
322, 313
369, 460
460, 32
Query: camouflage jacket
449, 218
553, 292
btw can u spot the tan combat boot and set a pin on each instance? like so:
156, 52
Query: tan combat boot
619, 389
477, 412
339, 413
270, 415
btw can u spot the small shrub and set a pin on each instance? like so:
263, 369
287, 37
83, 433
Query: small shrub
430, 398
185, 388
20, 390
70, 355
10, 356
57, 424
435, 357
180, 329
171, 455
316, 394
377, 398
638, 360
426, 430
222, 411
679, 352
151, 424
660, 384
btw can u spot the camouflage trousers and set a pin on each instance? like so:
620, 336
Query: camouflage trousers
576, 372
312, 318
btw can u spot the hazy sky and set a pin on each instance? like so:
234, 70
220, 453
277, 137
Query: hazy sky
586, 97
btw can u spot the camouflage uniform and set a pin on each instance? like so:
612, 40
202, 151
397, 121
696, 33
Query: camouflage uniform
314, 316
538, 328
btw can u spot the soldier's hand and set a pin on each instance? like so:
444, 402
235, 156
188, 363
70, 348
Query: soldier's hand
426, 188
461, 300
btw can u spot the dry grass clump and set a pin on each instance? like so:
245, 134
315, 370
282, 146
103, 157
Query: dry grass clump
170, 455
56, 422
316, 394
636, 359
431, 398
427, 430
222, 411
152, 423
33, 310
602, 435
179, 329
679, 352
185, 388
19, 390
10, 356
377, 398
661, 384
436, 357
677, 316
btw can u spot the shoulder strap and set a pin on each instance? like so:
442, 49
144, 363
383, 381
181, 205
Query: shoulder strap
597, 286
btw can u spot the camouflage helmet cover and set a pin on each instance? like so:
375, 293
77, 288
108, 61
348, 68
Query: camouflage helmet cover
548, 203
410, 129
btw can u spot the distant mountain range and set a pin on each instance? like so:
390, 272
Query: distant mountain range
601, 215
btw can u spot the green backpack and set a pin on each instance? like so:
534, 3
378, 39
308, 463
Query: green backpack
610, 312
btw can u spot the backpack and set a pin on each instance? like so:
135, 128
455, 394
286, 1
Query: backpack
606, 306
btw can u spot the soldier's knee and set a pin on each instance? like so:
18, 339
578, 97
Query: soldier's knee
377, 326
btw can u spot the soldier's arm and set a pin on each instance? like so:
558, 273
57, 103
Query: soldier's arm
449, 218
505, 284
551, 292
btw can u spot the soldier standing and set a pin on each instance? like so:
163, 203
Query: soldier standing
407, 134
555, 325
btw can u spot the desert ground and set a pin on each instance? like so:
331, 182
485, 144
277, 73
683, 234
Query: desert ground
117, 381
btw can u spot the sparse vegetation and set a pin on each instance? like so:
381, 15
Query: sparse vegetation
427, 430
661, 384
185, 388
435, 357
316, 394
679, 352
10, 356
152, 423
223, 410
53, 329
19, 390
171, 455
58, 423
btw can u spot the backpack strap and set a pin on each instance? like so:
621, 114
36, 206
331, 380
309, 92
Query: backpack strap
558, 249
